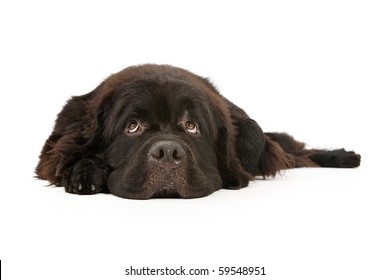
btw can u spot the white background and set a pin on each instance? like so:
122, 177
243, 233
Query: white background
316, 69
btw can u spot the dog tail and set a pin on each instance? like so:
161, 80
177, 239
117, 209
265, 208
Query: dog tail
281, 151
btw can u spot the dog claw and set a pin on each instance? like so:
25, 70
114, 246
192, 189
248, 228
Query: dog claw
80, 187
93, 188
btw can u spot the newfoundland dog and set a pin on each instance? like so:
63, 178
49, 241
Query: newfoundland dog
161, 131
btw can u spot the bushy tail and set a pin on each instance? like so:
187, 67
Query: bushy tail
282, 151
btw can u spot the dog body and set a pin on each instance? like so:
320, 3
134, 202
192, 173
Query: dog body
161, 131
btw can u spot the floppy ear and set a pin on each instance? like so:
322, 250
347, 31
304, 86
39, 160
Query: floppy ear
232, 173
75, 134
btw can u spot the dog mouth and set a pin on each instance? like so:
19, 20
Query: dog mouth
166, 192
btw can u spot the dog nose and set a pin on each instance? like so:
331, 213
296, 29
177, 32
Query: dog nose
167, 152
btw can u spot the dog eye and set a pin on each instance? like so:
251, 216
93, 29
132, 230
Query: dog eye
191, 127
133, 127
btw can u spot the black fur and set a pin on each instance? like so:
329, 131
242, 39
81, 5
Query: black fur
160, 131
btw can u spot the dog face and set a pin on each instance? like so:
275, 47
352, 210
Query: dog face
161, 140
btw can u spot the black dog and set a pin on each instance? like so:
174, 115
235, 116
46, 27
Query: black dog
160, 131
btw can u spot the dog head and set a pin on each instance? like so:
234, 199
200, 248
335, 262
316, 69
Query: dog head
162, 131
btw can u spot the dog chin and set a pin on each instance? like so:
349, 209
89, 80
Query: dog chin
167, 183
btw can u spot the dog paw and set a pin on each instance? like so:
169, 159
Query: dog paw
351, 159
87, 176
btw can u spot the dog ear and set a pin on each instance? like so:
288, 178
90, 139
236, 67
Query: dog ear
75, 135
232, 173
